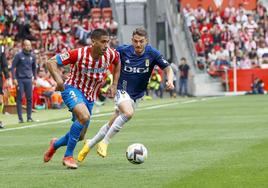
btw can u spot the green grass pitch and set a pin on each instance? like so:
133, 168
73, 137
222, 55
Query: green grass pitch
191, 142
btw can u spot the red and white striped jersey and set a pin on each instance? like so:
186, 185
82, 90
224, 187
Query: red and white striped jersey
86, 73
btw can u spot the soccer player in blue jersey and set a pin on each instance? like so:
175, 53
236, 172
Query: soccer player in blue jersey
137, 63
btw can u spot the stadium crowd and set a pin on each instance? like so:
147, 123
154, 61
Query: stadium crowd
230, 36
52, 26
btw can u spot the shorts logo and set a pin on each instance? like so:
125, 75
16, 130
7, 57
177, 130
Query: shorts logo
64, 56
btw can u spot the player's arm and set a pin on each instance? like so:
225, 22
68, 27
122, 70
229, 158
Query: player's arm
116, 73
65, 58
170, 76
52, 66
164, 65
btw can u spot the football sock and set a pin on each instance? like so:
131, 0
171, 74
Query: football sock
62, 141
115, 128
74, 135
99, 136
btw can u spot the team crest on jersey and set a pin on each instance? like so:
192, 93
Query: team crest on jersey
64, 56
147, 62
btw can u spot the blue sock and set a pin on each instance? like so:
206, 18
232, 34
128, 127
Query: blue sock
74, 135
62, 141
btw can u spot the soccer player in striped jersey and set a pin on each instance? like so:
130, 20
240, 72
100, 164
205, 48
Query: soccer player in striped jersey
137, 63
88, 68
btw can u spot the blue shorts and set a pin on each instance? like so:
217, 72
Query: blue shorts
73, 96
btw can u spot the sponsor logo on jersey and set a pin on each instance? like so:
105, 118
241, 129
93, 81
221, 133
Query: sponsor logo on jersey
64, 56
136, 69
165, 61
147, 62
94, 70
127, 61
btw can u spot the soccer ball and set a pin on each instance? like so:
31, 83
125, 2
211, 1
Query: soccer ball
136, 153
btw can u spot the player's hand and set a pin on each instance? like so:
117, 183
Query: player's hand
60, 87
169, 85
15, 82
111, 91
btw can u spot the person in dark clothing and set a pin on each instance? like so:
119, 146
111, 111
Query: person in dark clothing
23, 70
3, 69
257, 86
184, 73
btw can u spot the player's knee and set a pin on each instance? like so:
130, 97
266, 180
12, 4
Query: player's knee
84, 118
129, 114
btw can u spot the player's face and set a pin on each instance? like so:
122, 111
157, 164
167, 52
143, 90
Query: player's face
101, 44
139, 43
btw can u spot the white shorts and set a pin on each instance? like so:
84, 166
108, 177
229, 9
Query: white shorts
123, 96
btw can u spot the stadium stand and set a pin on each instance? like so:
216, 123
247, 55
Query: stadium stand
52, 26
228, 37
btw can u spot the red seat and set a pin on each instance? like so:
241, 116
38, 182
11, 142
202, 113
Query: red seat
95, 13
107, 13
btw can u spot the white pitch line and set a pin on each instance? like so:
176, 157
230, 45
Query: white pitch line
105, 114
49, 123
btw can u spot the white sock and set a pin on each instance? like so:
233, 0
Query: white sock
115, 128
99, 136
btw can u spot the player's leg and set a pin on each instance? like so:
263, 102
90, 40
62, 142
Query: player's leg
1, 103
82, 121
1, 94
126, 112
76, 102
28, 93
57, 143
1, 100
90, 143
20, 90
103, 130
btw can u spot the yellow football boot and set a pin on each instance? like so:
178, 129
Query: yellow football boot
102, 149
84, 151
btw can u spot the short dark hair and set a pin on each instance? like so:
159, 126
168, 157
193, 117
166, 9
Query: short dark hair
183, 59
97, 33
140, 31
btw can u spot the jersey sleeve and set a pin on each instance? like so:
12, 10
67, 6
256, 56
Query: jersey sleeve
160, 60
116, 58
69, 57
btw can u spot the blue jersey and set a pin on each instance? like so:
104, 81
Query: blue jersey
136, 70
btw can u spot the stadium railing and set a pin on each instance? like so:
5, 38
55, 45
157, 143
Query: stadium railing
190, 43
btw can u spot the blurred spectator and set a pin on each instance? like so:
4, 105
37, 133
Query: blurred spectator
23, 72
257, 86
200, 13
99, 3
183, 81
155, 84
175, 70
232, 33
200, 48
3, 69
46, 87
